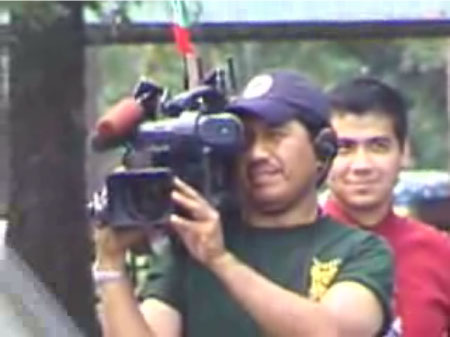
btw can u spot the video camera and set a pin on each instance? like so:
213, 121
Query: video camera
188, 135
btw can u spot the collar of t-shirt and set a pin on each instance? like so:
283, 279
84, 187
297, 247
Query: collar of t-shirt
334, 210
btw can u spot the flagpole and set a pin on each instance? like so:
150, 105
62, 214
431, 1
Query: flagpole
192, 71
183, 41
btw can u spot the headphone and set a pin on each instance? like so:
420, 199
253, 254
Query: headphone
326, 147
325, 144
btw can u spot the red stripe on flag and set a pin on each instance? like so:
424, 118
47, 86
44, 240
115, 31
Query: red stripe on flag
183, 39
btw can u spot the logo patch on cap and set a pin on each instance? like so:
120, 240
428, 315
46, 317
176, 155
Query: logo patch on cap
258, 86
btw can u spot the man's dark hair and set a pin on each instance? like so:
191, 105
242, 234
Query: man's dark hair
363, 95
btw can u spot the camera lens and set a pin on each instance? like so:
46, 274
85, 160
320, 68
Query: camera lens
149, 197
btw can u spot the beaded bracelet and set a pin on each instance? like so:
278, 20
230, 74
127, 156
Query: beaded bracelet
106, 276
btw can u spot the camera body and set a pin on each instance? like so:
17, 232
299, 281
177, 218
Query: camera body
188, 136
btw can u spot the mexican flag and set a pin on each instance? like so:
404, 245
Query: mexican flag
181, 26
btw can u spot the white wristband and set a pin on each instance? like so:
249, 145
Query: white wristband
106, 276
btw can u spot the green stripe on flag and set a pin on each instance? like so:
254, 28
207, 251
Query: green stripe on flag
181, 13
180, 29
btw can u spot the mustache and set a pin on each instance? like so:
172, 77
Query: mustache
261, 166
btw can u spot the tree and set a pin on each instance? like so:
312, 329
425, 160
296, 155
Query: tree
48, 226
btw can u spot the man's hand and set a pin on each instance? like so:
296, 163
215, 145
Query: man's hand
111, 245
201, 229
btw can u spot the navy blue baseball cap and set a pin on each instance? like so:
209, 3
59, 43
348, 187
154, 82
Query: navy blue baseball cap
281, 95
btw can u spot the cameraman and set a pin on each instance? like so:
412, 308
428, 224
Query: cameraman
275, 268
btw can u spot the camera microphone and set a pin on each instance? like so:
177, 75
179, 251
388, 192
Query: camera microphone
117, 123
120, 120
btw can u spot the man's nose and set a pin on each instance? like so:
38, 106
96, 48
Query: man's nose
361, 159
259, 148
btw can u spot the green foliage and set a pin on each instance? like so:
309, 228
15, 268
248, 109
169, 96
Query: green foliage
39, 14
123, 66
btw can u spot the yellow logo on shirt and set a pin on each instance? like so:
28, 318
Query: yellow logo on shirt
322, 274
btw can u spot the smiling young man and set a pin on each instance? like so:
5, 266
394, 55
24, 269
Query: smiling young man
276, 267
370, 120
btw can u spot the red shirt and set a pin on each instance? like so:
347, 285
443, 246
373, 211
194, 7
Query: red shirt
422, 272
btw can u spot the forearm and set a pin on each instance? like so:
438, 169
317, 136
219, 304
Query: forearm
119, 308
120, 314
277, 311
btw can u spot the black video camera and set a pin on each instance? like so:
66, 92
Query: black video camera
188, 136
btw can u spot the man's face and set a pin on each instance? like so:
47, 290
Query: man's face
365, 170
278, 167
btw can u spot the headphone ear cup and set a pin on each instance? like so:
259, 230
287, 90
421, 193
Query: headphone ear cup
325, 145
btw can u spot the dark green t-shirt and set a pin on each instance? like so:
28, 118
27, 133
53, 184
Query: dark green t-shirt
305, 259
